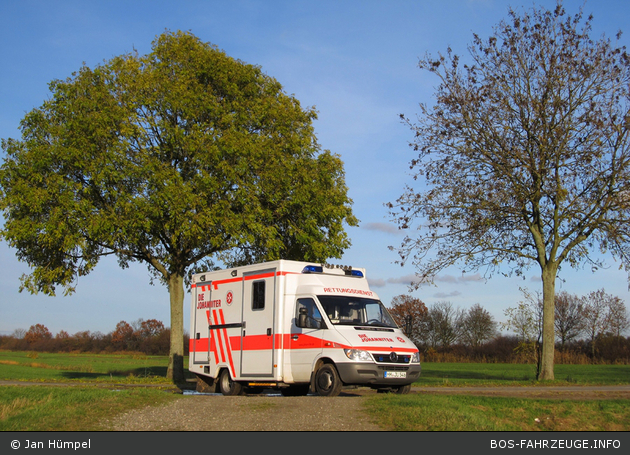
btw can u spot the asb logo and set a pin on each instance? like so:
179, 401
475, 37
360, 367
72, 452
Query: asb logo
229, 297
402, 340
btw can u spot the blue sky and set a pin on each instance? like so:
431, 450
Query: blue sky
355, 61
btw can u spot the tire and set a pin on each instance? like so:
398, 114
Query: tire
403, 389
296, 390
327, 381
227, 386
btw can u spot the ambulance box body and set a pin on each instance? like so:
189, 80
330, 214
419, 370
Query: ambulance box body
298, 327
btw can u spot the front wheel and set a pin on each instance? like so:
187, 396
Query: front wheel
227, 386
403, 389
327, 381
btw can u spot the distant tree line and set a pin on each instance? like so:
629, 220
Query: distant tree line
589, 329
145, 336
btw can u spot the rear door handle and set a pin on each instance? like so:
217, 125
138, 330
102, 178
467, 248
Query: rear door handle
295, 337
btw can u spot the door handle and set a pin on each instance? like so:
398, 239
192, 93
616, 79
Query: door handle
295, 337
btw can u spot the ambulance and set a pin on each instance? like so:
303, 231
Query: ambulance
297, 327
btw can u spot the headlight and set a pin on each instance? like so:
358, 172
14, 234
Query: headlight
357, 354
415, 358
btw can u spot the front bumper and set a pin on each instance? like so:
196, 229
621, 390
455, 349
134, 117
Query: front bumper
363, 373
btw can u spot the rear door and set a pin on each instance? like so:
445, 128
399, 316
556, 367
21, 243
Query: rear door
202, 297
257, 342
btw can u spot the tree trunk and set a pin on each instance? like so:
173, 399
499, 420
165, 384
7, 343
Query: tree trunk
548, 330
176, 355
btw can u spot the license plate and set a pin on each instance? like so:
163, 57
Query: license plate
395, 374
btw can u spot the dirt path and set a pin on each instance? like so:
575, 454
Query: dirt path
269, 412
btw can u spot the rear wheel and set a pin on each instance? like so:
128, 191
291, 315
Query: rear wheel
327, 381
227, 386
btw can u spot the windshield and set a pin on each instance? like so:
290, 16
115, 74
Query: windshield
356, 311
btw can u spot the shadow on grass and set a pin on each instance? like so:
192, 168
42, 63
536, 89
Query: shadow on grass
144, 372
480, 376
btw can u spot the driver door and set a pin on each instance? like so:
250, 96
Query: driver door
307, 338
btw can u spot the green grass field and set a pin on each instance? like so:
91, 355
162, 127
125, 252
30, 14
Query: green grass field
84, 406
505, 374
62, 367
80, 408
475, 413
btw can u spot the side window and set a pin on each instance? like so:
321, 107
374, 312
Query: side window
258, 295
307, 315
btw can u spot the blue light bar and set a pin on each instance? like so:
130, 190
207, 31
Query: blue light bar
357, 273
313, 269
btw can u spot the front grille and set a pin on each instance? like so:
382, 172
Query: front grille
387, 358
393, 368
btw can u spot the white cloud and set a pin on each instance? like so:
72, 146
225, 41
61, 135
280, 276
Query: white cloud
377, 282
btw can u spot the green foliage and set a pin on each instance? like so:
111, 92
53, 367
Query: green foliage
170, 159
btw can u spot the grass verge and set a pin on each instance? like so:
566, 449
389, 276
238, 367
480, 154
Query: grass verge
475, 413
77, 408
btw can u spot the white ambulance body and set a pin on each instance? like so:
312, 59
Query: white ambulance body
298, 327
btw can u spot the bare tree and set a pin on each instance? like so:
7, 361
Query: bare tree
443, 324
526, 320
478, 326
617, 320
569, 320
594, 312
18, 334
525, 157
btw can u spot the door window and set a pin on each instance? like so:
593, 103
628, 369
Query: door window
307, 314
258, 295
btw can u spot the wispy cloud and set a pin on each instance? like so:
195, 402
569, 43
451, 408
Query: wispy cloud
459, 279
406, 279
410, 279
445, 295
387, 228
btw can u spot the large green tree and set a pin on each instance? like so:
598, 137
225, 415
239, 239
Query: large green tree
176, 159
524, 157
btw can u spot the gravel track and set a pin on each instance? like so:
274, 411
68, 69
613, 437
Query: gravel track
249, 413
